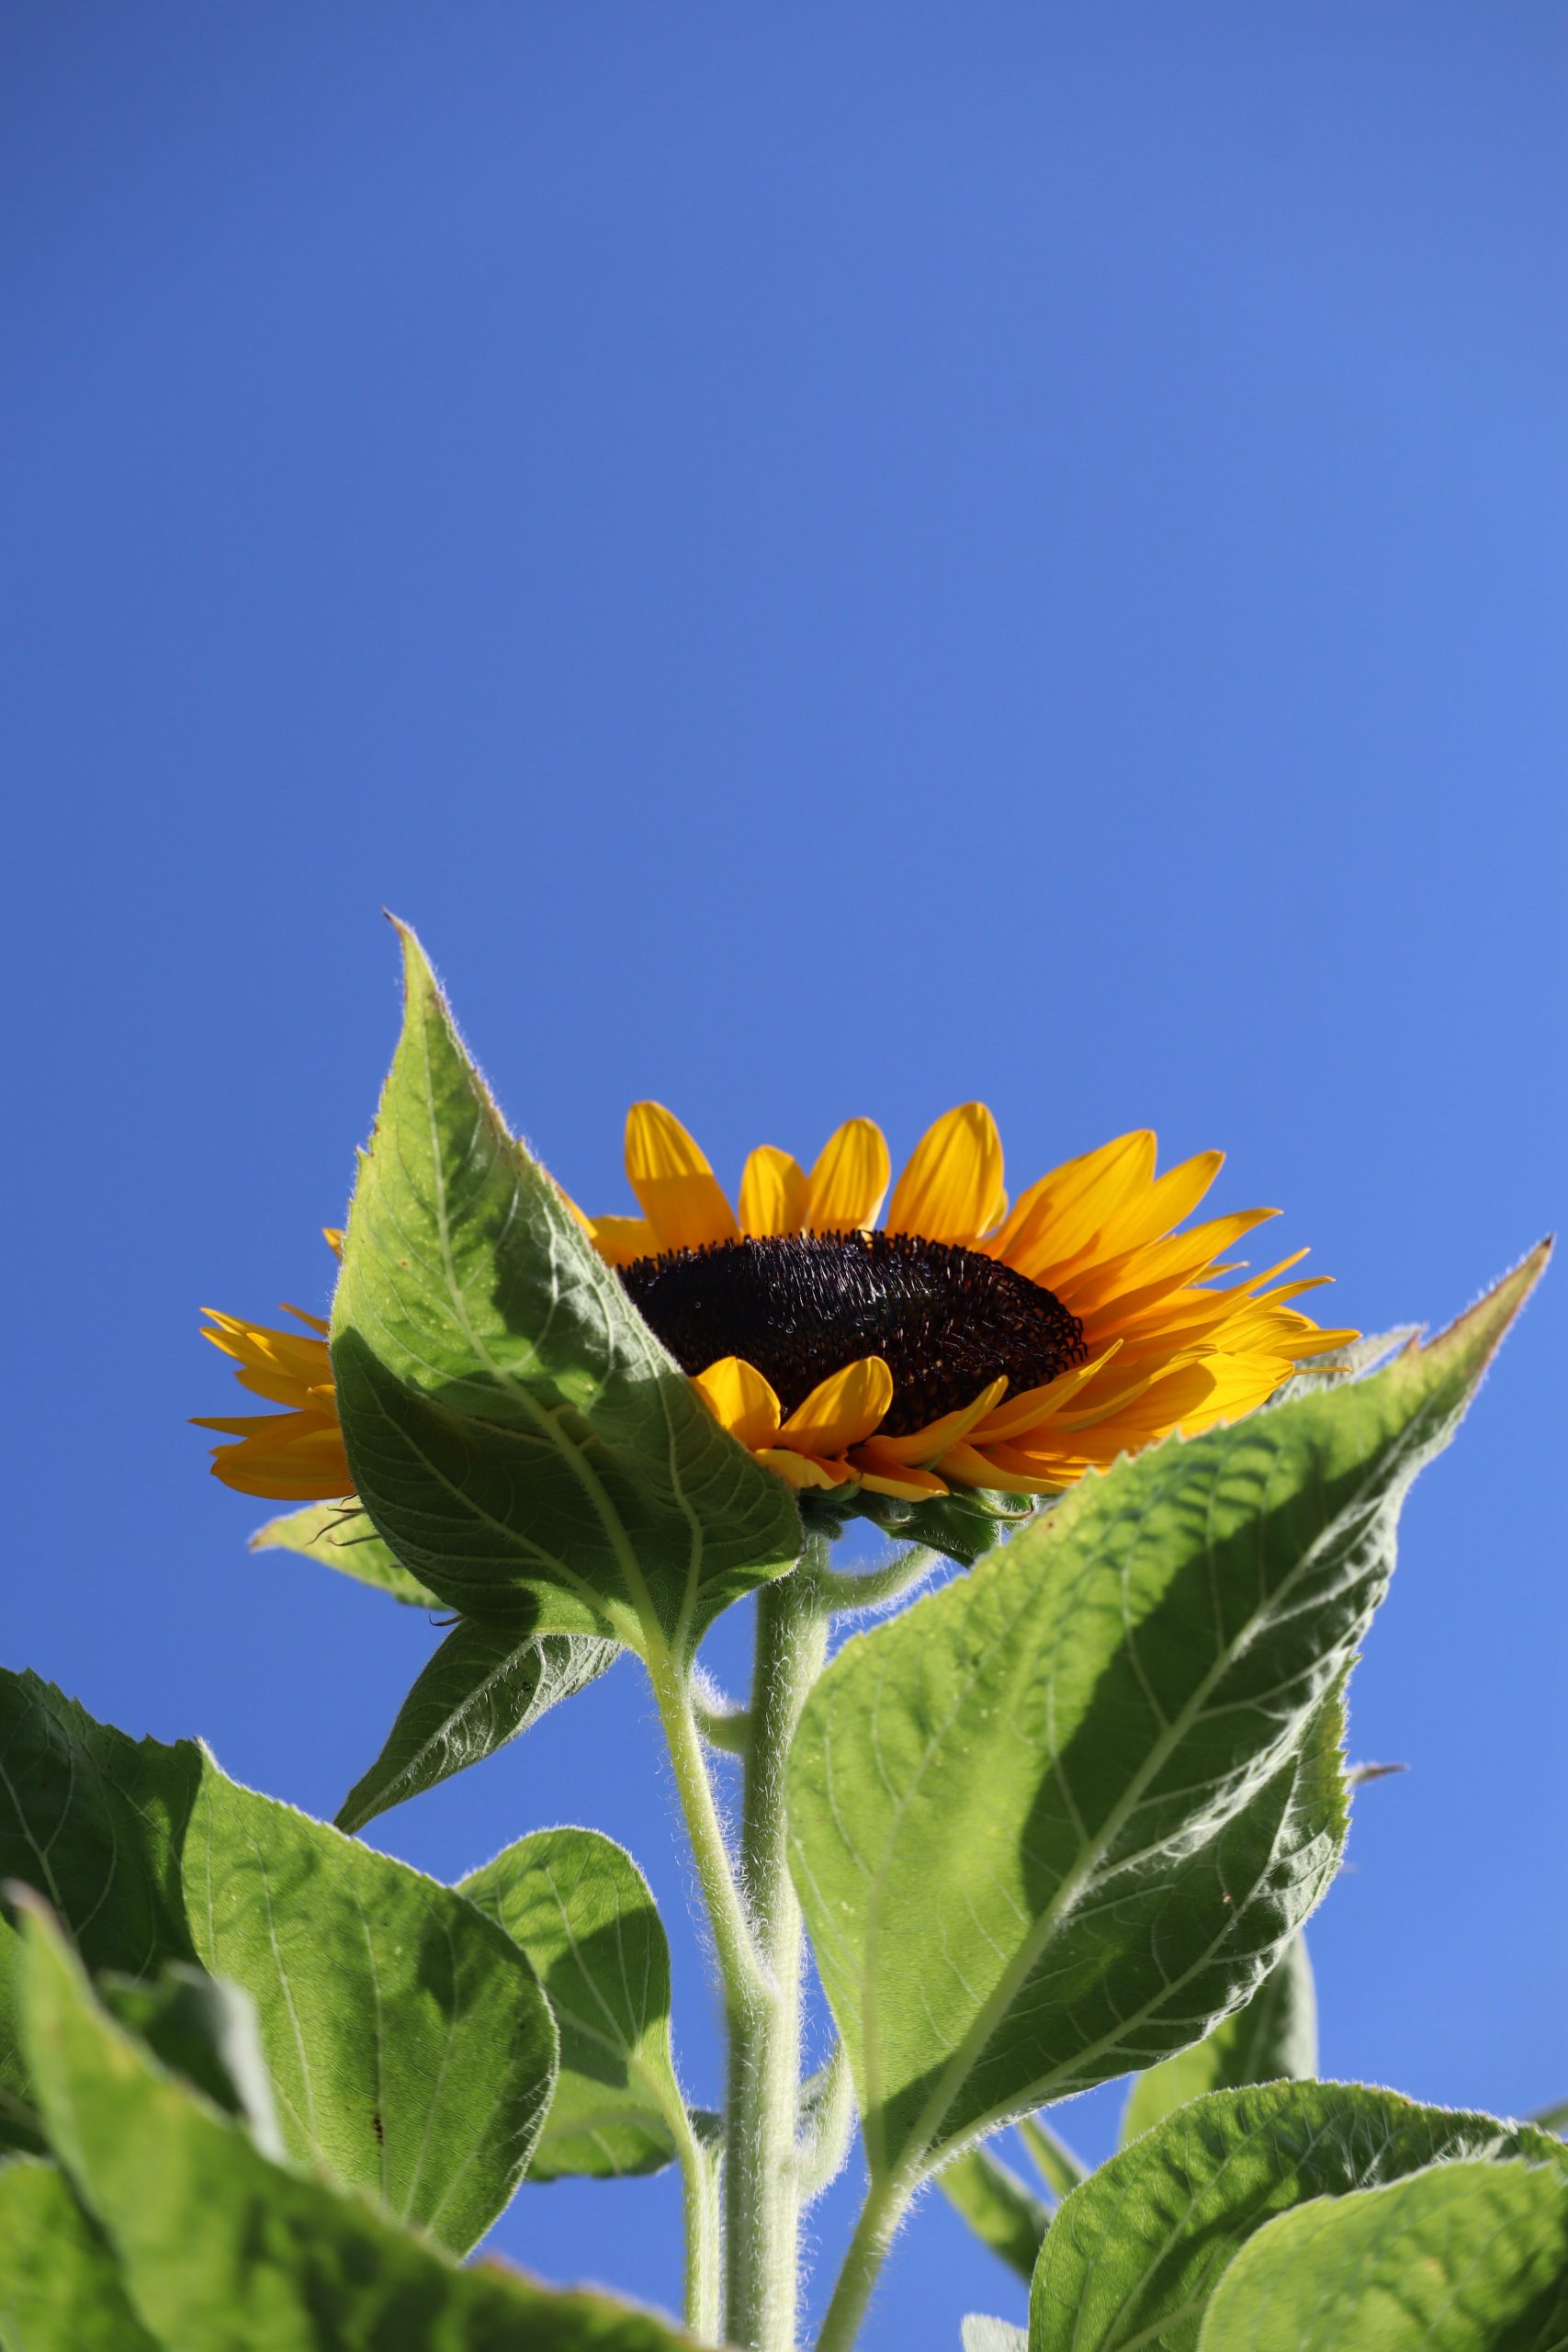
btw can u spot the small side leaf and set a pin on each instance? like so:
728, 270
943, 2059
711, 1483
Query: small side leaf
224, 2251
1002, 2213
486, 1684
1135, 2254
579, 1906
60, 2284
1274, 2037
1466, 2257
343, 1539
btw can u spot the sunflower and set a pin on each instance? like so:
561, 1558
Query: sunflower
296, 1455
956, 1343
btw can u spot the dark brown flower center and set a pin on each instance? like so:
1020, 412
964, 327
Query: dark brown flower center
946, 1321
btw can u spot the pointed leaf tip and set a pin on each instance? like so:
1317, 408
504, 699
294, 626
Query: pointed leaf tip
1473, 1339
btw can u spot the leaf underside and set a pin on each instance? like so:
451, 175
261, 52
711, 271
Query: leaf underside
517, 1434
1058, 1818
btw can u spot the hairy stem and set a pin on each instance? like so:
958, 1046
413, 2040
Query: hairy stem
874, 1588
700, 2212
741, 1966
762, 2176
880, 2216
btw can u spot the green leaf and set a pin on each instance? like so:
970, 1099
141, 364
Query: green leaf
1275, 2035
410, 2048
95, 1821
485, 1685
516, 1433
1135, 2254
1001, 2212
206, 2030
341, 1537
1055, 1820
1467, 2257
60, 2284
223, 2251
582, 1910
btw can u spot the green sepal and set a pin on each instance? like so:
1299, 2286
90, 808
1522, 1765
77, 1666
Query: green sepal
339, 1536
516, 1433
963, 1526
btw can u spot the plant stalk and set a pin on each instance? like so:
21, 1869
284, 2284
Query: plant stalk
885, 2207
762, 2178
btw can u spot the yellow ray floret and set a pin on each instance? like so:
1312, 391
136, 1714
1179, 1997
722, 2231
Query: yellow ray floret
1164, 1344
296, 1455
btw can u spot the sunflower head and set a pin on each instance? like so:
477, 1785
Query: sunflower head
955, 1345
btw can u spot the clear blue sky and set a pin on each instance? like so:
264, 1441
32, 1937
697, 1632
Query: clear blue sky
832, 559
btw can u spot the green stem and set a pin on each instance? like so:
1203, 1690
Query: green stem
876, 1587
761, 2179
880, 2215
700, 2210
740, 1967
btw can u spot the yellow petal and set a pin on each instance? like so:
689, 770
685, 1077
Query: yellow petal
1061, 1215
885, 1475
849, 1179
805, 1470
967, 1466
841, 1410
676, 1190
741, 1400
1033, 1407
951, 1189
621, 1240
925, 1445
773, 1188
332, 1235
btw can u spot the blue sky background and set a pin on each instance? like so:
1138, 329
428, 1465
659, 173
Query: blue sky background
831, 559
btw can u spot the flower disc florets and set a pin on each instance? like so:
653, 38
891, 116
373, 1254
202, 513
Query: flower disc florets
945, 1320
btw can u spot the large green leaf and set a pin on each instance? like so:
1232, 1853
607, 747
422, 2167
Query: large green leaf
410, 2048
1275, 2035
583, 1911
1003, 2213
516, 1433
1467, 2257
205, 2029
485, 1685
60, 2283
1136, 2252
224, 2251
343, 1539
95, 1821
1055, 1820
